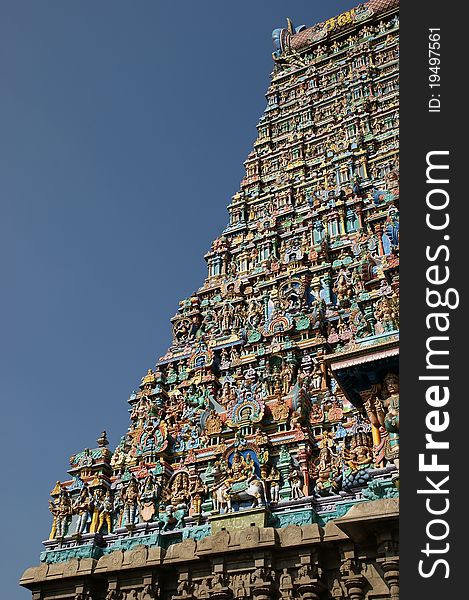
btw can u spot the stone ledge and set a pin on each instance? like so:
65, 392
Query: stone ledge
360, 522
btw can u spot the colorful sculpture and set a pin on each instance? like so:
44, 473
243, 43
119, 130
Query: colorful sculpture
280, 385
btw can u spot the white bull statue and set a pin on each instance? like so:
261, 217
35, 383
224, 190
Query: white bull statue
224, 495
226, 492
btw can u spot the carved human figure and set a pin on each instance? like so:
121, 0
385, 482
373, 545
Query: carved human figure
130, 496
295, 420
149, 498
258, 576
295, 483
286, 584
273, 480
359, 455
288, 375
213, 423
316, 377
280, 411
249, 466
325, 466
237, 471
106, 509
61, 509
82, 507
180, 492
384, 415
391, 419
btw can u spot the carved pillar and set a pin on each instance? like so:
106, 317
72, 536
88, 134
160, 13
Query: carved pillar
184, 589
354, 585
219, 589
262, 578
352, 578
262, 585
151, 590
391, 576
307, 583
388, 552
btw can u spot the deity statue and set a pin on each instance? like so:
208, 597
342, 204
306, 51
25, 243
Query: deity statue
384, 415
273, 482
61, 509
343, 288
213, 423
149, 378
240, 590
326, 465
239, 469
104, 509
359, 455
280, 410
82, 507
226, 317
119, 456
294, 479
149, 498
387, 312
316, 377
288, 376
276, 382
391, 419
130, 495
295, 421
180, 489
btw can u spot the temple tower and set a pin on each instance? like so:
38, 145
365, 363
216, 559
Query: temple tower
262, 456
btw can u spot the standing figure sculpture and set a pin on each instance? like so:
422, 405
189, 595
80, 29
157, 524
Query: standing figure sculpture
294, 478
273, 479
130, 501
82, 507
391, 419
61, 509
106, 509
384, 415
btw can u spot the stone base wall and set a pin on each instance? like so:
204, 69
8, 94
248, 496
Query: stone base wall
353, 557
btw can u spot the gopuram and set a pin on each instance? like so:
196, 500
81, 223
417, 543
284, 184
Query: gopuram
262, 456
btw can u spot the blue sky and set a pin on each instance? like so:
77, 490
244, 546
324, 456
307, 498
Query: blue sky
123, 129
